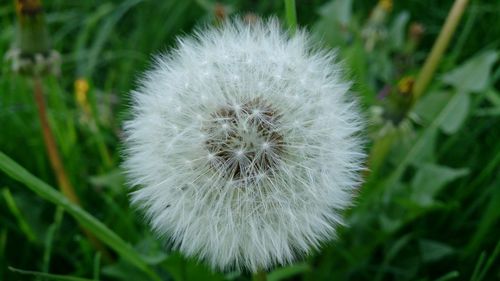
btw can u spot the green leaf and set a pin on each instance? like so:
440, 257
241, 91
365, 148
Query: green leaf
489, 219
91, 21
380, 149
449, 276
102, 36
426, 150
381, 66
151, 250
283, 273
453, 119
97, 266
478, 266
389, 224
446, 110
113, 179
101, 231
49, 238
356, 61
187, 269
397, 32
429, 106
23, 225
493, 96
122, 270
339, 11
433, 250
473, 75
422, 142
430, 179
391, 253
489, 263
48, 275
335, 17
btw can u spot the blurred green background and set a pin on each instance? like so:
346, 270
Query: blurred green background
430, 206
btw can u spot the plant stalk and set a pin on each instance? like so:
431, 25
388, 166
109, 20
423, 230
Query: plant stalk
442, 42
55, 160
291, 15
50, 144
260, 275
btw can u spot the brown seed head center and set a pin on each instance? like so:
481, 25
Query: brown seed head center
243, 141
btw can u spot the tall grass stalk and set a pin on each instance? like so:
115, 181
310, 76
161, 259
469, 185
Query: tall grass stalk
442, 42
291, 15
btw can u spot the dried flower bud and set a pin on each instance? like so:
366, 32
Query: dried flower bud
31, 53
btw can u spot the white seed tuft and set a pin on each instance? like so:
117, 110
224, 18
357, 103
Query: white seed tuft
244, 146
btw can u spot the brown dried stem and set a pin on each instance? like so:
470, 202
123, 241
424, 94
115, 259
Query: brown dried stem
50, 144
55, 160
442, 42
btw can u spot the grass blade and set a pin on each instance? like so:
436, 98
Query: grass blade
23, 225
490, 261
449, 276
104, 33
478, 266
101, 231
97, 266
48, 275
284, 273
291, 15
49, 238
424, 137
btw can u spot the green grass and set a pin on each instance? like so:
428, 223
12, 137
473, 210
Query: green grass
430, 206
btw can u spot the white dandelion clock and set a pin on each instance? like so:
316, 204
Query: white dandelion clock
244, 146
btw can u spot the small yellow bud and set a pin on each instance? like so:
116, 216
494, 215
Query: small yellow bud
81, 90
405, 85
386, 5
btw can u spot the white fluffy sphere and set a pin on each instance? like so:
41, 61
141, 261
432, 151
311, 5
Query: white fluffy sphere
244, 146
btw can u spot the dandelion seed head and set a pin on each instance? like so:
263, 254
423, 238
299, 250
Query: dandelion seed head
244, 146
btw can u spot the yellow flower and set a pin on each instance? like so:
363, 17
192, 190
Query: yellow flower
405, 85
81, 90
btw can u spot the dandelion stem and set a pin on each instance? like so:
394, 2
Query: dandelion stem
33, 40
50, 144
439, 47
291, 15
55, 159
259, 276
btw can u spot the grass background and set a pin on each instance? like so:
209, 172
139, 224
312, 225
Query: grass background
429, 209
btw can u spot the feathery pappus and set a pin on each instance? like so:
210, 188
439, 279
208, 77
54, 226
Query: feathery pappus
244, 145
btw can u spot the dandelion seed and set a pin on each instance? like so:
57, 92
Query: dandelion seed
251, 177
